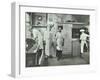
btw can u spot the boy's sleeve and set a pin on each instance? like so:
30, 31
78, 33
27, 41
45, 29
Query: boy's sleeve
56, 35
80, 37
63, 41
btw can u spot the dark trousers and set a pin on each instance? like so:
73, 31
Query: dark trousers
59, 54
39, 53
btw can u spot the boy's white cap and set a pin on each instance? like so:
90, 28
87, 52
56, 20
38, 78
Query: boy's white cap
82, 30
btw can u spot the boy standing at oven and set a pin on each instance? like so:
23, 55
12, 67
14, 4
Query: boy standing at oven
59, 43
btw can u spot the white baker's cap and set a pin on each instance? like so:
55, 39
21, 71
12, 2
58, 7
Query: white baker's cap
82, 30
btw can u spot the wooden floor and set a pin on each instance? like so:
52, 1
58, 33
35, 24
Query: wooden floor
76, 60
52, 61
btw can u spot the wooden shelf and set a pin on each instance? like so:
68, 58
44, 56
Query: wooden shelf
71, 23
39, 26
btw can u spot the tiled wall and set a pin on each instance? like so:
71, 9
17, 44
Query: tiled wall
67, 30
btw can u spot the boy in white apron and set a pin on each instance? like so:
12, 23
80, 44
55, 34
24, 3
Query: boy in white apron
59, 42
37, 36
83, 38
